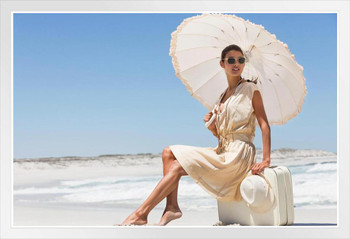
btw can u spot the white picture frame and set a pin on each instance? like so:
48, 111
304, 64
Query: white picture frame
6, 122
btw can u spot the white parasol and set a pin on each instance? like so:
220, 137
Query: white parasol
196, 48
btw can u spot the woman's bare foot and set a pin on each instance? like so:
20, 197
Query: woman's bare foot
134, 219
170, 214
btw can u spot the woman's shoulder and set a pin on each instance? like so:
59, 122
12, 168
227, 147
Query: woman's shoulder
249, 87
249, 84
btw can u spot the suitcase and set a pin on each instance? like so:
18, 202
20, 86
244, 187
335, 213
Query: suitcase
282, 211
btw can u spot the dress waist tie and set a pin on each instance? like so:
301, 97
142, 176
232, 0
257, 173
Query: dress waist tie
224, 140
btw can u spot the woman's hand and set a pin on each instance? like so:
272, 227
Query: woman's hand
212, 126
207, 117
259, 167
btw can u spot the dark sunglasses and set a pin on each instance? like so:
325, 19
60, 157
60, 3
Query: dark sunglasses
232, 60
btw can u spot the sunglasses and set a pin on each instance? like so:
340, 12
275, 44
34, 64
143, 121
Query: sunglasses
232, 60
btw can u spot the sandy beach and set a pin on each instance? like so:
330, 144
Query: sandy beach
103, 191
56, 216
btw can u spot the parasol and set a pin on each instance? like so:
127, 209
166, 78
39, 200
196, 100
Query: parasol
196, 47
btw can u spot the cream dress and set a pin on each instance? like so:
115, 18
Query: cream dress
220, 170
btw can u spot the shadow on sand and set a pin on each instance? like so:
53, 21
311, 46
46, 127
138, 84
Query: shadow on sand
314, 224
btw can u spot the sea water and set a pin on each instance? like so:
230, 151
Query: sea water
314, 177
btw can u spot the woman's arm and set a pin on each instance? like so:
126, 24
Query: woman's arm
265, 131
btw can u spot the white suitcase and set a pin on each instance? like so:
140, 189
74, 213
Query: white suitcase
281, 213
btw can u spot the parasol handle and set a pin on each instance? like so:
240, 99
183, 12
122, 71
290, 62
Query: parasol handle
207, 124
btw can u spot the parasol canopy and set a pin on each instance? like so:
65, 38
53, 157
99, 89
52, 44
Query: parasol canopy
196, 48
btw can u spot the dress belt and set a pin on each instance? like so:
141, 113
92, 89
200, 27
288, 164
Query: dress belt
224, 141
235, 136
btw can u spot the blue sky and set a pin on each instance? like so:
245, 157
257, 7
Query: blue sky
92, 84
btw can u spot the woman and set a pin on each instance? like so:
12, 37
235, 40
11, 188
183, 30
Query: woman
218, 170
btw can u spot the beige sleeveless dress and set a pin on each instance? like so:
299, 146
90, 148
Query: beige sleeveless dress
221, 170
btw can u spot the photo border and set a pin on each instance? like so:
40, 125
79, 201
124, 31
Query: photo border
7, 8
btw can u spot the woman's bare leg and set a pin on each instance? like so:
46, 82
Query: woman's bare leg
172, 210
165, 186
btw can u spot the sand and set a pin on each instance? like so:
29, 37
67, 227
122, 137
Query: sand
34, 214
46, 215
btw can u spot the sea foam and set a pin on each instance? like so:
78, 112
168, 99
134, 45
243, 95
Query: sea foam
127, 180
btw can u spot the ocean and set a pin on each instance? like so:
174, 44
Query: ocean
115, 181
